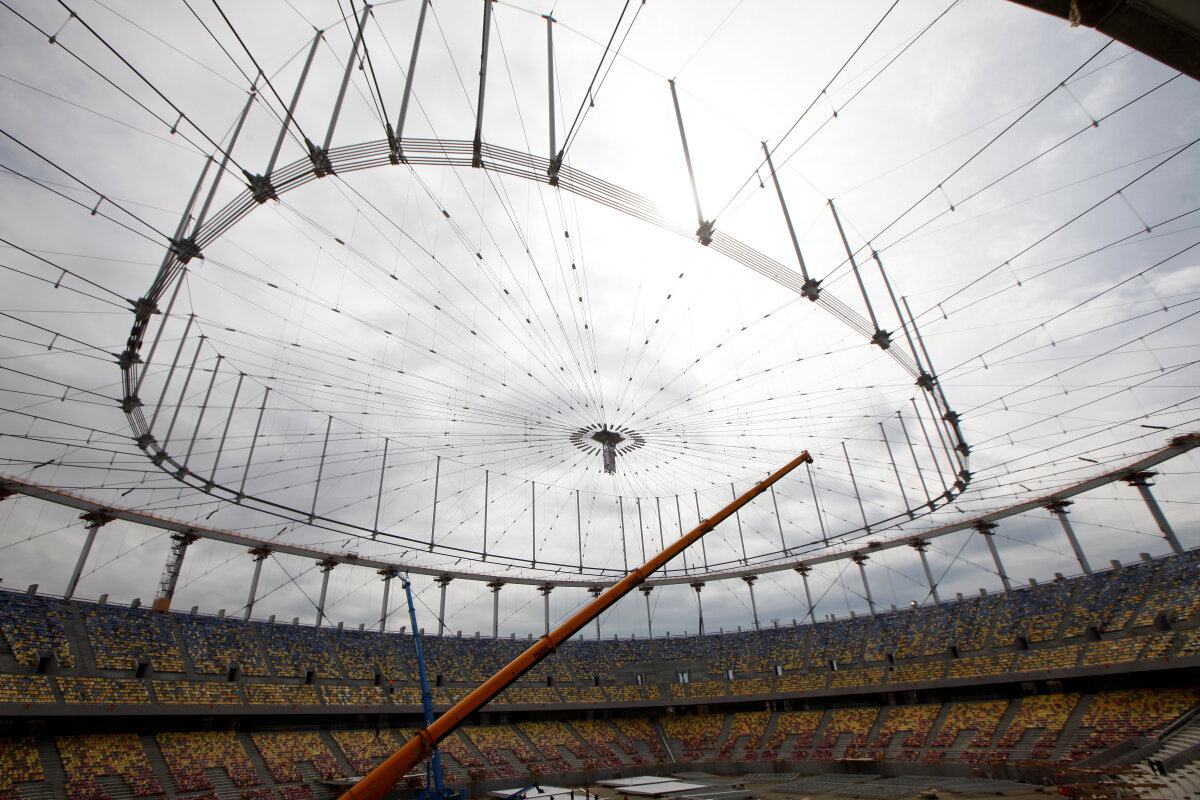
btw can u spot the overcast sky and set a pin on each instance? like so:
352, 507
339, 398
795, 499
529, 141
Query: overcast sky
423, 348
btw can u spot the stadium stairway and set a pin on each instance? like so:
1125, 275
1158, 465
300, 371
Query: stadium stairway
644, 749
577, 737
8, 660
993, 620
1179, 752
189, 666
81, 647
1006, 719
938, 721
332, 746
39, 791
1022, 749
158, 764
255, 757
819, 731
954, 752
223, 786
768, 732
1147, 593
52, 768
896, 745
470, 747
1071, 736
723, 736
115, 787
880, 721
309, 775
264, 652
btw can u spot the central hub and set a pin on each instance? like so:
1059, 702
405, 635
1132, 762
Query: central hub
608, 443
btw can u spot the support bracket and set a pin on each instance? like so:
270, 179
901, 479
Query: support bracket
320, 159
260, 187
186, 249
555, 166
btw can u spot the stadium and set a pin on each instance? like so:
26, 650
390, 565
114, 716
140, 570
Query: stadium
709, 400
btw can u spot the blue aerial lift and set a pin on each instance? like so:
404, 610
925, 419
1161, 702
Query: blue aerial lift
435, 784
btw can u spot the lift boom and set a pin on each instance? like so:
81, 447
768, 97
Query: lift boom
381, 780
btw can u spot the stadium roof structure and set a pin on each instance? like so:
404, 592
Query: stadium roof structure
500, 294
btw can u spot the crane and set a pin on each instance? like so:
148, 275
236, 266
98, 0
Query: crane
379, 783
435, 783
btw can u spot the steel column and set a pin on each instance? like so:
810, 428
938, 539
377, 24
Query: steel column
861, 561
550, 82
641, 531
698, 585
437, 475
932, 453
621, 513
326, 566
812, 484
595, 591
645, 590
913, 452
495, 587
337, 105
203, 408
442, 581
237, 391
804, 569
387, 575
312, 513
920, 545
379, 494
183, 392
408, 82
900, 483
137, 388
750, 579
94, 520
741, 538
477, 147
705, 232
253, 441
779, 521
260, 554
1141, 481
237, 130
988, 531
289, 119
545, 589
679, 519
857, 496
881, 336
662, 542
1059, 509
810, 288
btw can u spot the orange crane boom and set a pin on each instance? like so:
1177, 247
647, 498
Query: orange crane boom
382, 779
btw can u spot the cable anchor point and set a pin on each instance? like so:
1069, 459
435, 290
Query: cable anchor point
555, 166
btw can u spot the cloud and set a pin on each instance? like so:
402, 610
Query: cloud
471, 321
